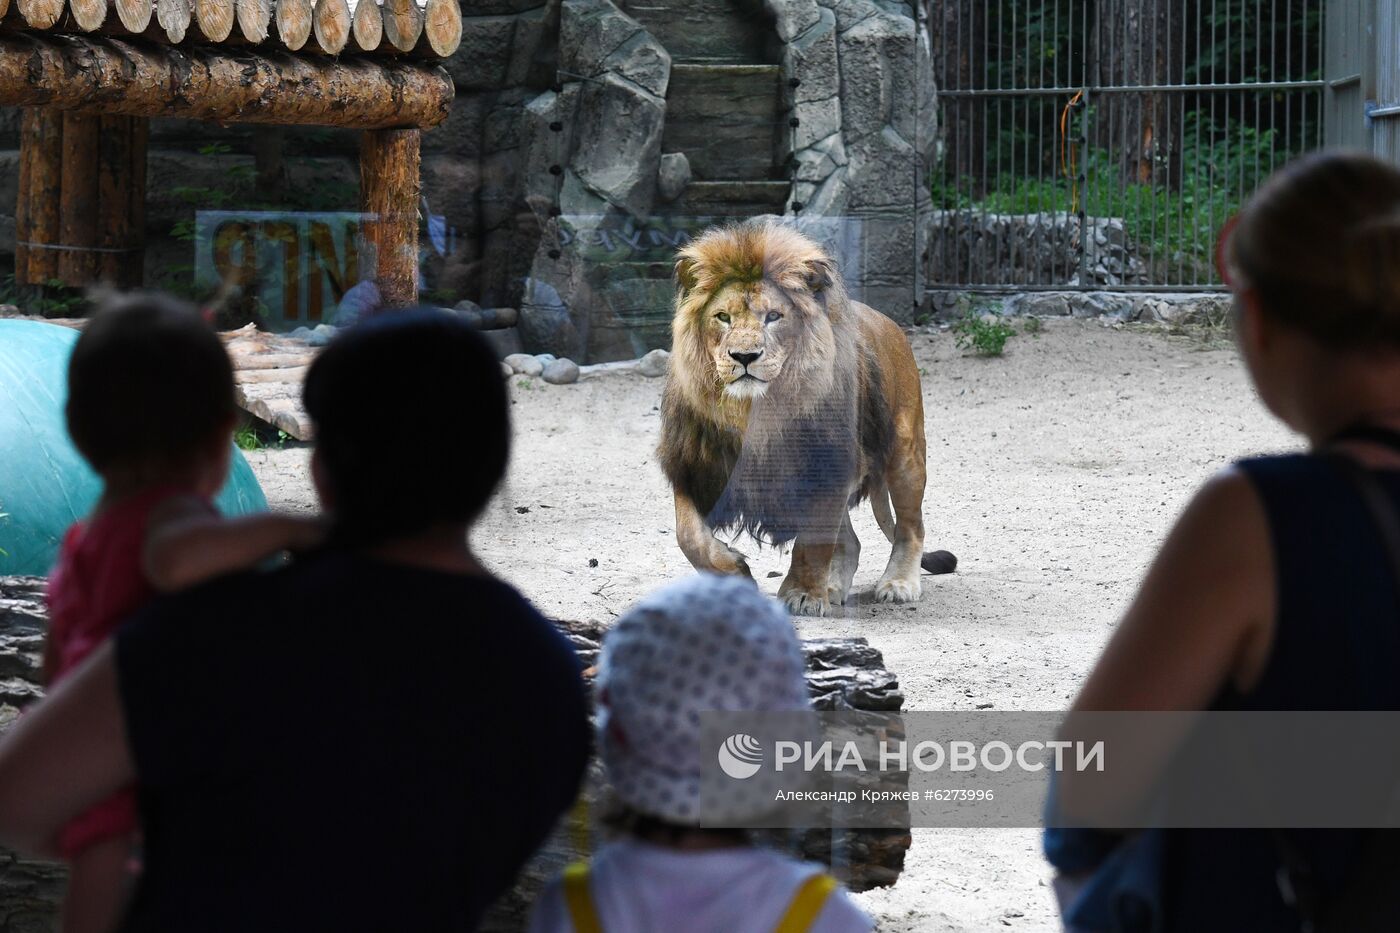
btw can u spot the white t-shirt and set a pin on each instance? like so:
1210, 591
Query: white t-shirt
642, 888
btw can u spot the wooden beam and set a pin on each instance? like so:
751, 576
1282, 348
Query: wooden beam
389, 189
105, 75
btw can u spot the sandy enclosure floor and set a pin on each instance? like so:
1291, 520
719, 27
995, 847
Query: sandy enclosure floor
1053, 473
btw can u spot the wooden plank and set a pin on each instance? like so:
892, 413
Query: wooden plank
270, 360
286, 376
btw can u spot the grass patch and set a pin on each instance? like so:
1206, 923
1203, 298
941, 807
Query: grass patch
985, 335
257, 435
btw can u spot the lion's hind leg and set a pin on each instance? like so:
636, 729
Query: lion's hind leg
900, 582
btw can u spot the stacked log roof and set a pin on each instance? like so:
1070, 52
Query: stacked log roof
424, 29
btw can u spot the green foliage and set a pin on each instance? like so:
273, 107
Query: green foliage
1007, 154
1176, 226
54, 299
1033, 326
252, 435
985, 334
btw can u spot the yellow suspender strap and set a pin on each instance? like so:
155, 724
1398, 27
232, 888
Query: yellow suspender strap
806, 904
580, 899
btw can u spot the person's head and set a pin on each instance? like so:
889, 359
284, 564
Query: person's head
150, 394
704, 643
411, 422
1314, 261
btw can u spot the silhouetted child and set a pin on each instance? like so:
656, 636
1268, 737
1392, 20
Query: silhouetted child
151, 408
704, 643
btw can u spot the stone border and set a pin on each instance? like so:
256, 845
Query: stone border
1177, 309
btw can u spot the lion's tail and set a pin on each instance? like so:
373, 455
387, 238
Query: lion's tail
880, 505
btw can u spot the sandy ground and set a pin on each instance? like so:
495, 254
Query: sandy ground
1053, 473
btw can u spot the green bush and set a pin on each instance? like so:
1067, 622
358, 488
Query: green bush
984, 334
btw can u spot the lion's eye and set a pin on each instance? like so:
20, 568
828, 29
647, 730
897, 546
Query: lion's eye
773, 316
722, 318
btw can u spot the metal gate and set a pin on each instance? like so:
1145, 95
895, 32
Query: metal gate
1100, 144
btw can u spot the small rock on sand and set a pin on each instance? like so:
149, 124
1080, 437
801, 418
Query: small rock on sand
655, 363
561, 372
524, 364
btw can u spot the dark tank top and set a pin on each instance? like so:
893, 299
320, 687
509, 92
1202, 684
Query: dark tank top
1336, 647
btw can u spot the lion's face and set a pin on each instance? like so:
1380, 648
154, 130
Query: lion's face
749, 330
758, 309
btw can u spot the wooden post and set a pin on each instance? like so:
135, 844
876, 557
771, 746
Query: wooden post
77, 202
37, 210
389, 189
121, 198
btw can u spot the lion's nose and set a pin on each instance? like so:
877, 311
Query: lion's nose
744, 359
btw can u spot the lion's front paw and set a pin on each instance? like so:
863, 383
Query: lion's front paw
800, 603
895, 590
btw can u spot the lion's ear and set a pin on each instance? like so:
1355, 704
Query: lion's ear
819, 274
686, 273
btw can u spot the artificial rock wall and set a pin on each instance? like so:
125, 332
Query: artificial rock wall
855, 139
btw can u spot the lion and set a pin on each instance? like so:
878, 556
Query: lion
787, 403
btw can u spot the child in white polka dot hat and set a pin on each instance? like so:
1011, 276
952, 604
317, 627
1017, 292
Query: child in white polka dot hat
704, 643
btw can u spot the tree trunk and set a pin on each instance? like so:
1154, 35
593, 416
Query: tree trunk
111, 76
389, 189
77, 205
332, 25
41, 155
293, 21
1136, 43
959, 65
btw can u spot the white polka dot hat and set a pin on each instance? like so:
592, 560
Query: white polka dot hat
707, 642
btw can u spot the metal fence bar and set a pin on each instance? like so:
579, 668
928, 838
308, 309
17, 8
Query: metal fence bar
1183, 107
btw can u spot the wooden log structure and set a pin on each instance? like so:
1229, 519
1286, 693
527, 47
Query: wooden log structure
80, 214
412, 28
111, 76
90, 89
367, 26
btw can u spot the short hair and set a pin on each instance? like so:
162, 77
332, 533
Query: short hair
1320, 244
411, 424
149, 382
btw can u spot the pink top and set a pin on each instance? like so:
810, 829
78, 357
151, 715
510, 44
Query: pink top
96, 584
